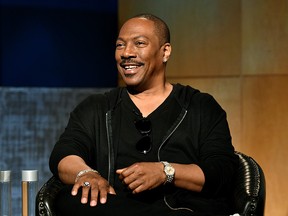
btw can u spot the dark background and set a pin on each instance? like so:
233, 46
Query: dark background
58, 43
54, 53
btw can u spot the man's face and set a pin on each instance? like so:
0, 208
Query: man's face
139, 55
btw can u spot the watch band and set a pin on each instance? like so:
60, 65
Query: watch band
169, 171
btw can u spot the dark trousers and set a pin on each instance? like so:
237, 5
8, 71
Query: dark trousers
68, 205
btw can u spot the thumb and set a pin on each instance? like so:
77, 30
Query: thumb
111, 190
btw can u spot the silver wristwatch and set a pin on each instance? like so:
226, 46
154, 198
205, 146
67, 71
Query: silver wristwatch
169, 171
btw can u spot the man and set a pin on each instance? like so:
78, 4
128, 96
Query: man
149, 148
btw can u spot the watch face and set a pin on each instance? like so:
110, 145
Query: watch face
169, 170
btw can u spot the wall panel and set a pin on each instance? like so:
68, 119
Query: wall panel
206, 39
265, 126
265, 36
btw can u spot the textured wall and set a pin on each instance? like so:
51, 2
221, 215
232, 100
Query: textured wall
31, 119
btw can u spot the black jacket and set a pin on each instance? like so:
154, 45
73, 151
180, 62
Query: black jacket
201, 129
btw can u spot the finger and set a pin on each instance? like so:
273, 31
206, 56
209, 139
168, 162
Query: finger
111, 190
135, 184
85, 192
126, 171
103, 195
128, 179
119, 171
104, 189
139, 189
75, 189
94, 196
99, 192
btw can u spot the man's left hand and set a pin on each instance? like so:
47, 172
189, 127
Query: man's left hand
142, 176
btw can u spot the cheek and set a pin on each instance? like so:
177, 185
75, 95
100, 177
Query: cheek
156, 60
149, 57
117, 57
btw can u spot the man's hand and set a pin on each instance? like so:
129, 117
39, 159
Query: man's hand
98, 186
142, 176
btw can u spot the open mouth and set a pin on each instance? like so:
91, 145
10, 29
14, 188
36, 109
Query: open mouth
130, 67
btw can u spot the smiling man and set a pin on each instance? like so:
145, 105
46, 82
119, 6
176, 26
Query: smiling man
151, 147
141, 55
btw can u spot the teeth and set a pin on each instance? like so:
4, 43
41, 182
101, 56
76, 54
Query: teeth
130, 67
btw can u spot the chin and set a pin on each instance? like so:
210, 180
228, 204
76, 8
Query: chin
129, 81
131, 85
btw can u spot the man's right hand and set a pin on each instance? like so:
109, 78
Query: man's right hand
95, 183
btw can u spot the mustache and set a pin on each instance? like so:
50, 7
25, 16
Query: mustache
130, 61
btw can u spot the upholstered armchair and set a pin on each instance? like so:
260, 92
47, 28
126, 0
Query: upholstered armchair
248, 195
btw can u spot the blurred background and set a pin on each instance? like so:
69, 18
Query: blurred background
55, 53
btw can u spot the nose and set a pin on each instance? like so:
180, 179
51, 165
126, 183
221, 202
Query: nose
128, 52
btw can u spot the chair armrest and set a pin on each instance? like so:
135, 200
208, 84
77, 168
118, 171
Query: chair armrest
249, 189
46, 197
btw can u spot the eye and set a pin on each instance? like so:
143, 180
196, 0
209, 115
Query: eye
140, 43
119, 45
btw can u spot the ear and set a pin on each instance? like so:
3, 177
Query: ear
167, 52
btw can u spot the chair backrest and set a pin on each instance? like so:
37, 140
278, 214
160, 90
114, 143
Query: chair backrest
249, 192
46, 196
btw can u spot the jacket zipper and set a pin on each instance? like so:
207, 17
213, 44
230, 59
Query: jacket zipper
181, 120
108, 129
184, 114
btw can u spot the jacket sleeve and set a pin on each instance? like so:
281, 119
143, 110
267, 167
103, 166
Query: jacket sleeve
217, 158
79, 135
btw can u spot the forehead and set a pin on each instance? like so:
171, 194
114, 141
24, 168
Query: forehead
136, 27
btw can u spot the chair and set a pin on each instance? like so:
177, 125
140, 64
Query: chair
249, 193
248, 196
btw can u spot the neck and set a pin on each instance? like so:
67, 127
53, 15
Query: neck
157, 91
147, 101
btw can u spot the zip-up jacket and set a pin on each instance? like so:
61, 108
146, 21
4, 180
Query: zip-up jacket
201, 129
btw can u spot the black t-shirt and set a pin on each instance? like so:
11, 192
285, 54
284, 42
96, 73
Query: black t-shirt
161, 120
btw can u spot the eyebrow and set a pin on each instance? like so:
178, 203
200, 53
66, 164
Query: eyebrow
135, 38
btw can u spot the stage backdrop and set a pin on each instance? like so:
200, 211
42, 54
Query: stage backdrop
44, 44
31, 120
